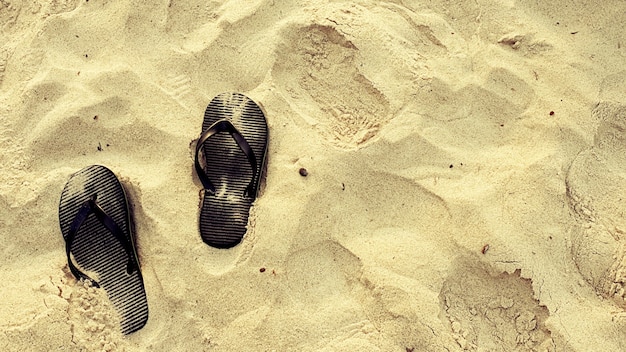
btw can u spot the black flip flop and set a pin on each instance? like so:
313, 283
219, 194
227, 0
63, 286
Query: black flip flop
96, 225
233, 163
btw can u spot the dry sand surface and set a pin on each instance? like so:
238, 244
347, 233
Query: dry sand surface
466, 159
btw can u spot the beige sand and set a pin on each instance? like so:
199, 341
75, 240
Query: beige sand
446, 207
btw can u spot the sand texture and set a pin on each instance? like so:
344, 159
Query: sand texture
466, 186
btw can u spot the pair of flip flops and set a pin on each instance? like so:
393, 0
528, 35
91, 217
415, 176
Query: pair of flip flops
95, 219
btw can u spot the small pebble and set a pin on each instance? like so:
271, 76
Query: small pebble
262, 270
303, 172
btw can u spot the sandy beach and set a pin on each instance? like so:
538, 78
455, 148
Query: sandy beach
466, 186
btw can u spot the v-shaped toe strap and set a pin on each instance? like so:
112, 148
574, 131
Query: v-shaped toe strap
219, 126
91, 207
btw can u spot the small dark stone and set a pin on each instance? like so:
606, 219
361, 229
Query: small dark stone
262, 270
303, 172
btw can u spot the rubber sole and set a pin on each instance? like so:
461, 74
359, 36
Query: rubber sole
96, 251
224, 215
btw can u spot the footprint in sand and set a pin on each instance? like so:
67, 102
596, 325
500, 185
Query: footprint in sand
179, 88
595, 188
319, 64
493, 312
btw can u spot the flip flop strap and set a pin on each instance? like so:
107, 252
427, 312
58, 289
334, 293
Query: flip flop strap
224, 125
91, 207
